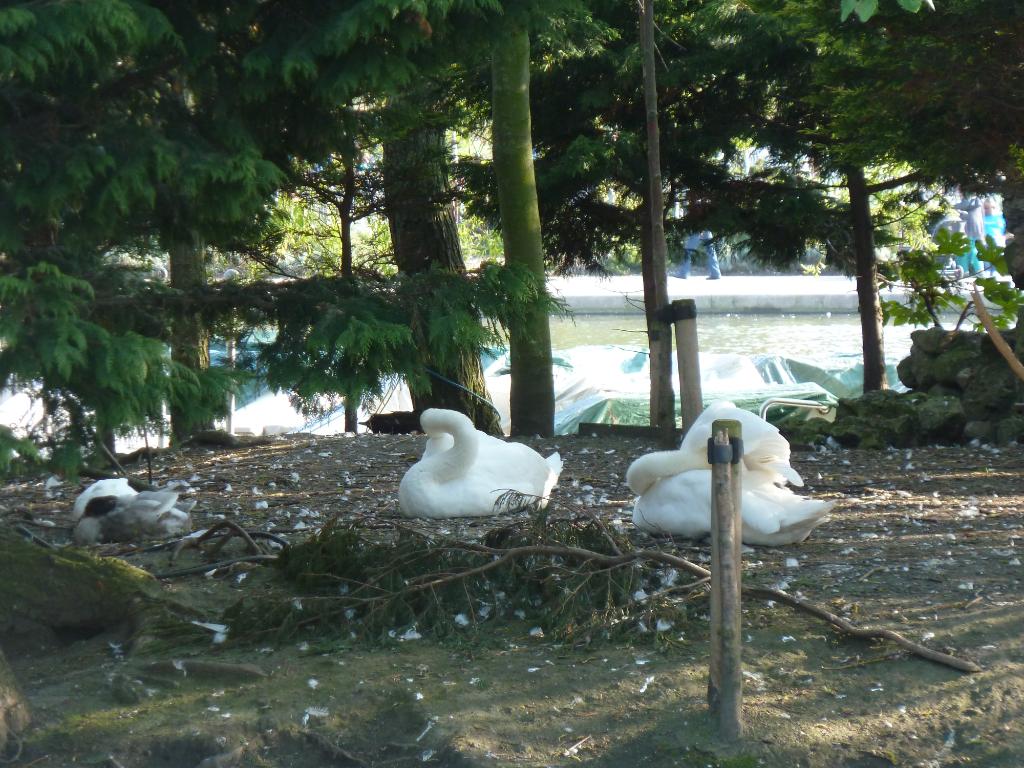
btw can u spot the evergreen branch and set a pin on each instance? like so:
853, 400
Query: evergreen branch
881, 186
501, 556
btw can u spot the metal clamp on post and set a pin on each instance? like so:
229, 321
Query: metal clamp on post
725, 454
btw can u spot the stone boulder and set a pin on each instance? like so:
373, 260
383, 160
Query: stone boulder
942, 419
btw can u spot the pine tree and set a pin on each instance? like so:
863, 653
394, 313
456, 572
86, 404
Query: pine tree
424, 235
130, 126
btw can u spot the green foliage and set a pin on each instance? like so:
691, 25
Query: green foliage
130, 125
354, 337
865, 9
16, 453
376, 584
479, 241
89, 378
933, 291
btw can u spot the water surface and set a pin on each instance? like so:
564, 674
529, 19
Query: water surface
826, 341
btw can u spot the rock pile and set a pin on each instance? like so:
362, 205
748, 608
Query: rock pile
961, 390
965, 371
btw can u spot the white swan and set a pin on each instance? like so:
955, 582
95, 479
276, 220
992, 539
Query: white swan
111, 510
674, 487
463, 471
764, 448
772, 516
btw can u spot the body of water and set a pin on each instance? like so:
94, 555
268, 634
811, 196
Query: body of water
831, 342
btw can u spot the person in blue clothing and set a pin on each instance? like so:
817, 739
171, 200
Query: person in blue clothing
995, 227
692, 246
974, 228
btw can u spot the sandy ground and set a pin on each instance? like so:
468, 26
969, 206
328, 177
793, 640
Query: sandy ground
926, 542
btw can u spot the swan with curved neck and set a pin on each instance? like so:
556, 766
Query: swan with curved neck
463, 471
764, 448
674, 487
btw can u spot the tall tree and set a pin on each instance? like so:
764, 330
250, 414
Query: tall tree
655, 249
99, 143
424, 236
868, 301
532, 396
190, 338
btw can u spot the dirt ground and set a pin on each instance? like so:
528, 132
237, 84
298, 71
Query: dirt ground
927, 542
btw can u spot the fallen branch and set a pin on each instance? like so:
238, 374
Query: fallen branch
502, 556
214, 566
205, 670
863, 633
234, 529
332, 749
997, 338
495, 557
113, 458
32, 537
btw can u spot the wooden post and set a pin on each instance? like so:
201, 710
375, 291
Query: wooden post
725, 681
684, 314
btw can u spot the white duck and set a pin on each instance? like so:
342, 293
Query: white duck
463, 471
111, 510
674, 487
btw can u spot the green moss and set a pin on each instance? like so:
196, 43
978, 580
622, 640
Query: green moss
69, 587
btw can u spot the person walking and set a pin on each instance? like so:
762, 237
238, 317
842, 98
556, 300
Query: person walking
974, 229
695, 244
995, 228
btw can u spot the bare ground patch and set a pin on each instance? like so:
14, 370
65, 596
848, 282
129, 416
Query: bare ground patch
927, 543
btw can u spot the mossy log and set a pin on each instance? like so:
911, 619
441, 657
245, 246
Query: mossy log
53, 596
50, 597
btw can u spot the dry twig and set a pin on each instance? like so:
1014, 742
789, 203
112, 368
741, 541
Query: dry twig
863, 633
214, 566
234, 529
997, 338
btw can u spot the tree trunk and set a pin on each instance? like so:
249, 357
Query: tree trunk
423, 233
345, 217
191, 343
532, 401
655, 251
869, 304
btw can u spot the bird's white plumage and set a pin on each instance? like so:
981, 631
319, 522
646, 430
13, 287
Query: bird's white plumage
772, 516
674, 487
463, 471
764, 448
115, 486
132, 515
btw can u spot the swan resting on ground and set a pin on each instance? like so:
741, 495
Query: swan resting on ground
674, 487
463, 471
680, 503
111, 510
764, 447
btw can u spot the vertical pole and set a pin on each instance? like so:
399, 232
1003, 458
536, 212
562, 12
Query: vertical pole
725, 681
684, 313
